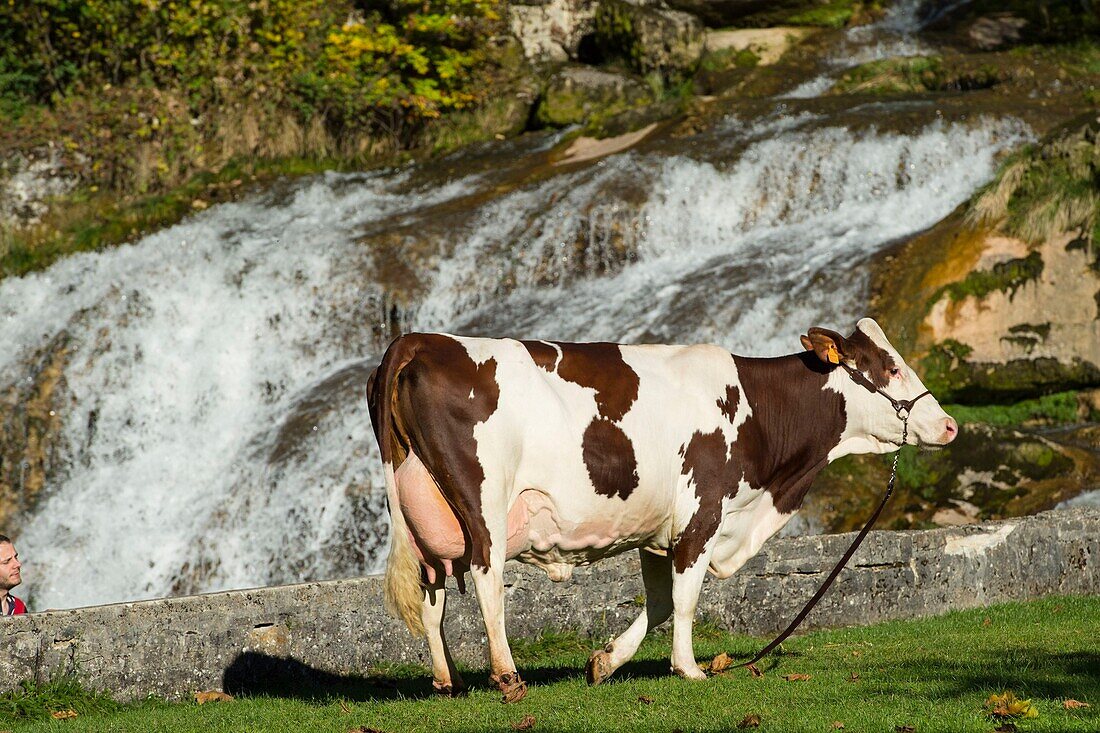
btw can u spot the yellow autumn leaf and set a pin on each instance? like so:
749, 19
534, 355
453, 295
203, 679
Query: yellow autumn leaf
1007, 705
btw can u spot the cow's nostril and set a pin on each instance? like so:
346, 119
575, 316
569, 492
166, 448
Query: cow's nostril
950, 430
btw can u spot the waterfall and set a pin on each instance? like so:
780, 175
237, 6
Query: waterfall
213, 433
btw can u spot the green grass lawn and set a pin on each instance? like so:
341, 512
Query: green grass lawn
932, 675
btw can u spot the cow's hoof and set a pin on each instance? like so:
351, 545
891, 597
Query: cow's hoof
452, 689
690, 673
599, 666
512, 688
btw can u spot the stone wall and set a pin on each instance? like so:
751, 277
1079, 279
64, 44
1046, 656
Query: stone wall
332, 631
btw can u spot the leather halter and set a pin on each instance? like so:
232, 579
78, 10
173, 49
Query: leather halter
903, 408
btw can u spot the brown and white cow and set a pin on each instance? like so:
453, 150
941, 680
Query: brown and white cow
560, 454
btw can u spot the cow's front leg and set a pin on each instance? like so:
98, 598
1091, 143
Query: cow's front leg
489, 583
657, 577
445, 677
686, 585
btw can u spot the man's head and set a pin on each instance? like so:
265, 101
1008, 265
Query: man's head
10, 567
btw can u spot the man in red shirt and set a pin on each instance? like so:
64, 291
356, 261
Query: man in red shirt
10, 576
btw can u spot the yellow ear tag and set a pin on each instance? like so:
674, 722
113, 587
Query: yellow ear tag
834, 357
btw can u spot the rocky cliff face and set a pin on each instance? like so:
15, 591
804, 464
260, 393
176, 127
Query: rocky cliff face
1001, 299
999, 306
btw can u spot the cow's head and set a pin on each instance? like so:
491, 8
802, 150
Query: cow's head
873, 423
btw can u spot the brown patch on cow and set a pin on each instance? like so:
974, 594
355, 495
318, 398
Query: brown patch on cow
728, 406
439, 395
716, 475
545, 355
870, 358
609, 457
795, 422
781, 447
600, 366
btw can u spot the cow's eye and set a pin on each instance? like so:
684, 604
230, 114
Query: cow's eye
895, 371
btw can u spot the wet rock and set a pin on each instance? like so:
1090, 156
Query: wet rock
1011, 21
31, 442
27, 183
552, 30
922, 74
766, 44
991, 32
987, 473
650, 38
577, 94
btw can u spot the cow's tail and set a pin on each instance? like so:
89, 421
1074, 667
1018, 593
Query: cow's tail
403, 593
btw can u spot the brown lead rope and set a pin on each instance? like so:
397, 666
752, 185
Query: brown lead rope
847, 555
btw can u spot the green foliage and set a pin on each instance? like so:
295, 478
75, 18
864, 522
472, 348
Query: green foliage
1055, 409
918, 74
409, 60
728, 58
1048, 188
1005, 277
33, 701
835, 14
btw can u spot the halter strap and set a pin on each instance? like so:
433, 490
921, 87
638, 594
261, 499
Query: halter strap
902, 407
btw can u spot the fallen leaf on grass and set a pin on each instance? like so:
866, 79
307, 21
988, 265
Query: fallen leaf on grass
987, 621
720, 663
1007, 705
527, 723
797, 677
1006, 728
211, 696
750, 721
754, 671
645, 699
854, 677
837, 725
904, 728
63, 714
1075, 704
363, 729
344, 706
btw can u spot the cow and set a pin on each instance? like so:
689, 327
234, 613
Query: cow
561, 454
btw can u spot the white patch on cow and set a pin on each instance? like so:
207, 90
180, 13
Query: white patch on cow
744, 531
973, 544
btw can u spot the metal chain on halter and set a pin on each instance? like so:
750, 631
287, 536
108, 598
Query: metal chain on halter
903, 415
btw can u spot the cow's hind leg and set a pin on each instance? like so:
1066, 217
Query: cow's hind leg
445, 677
657, 577
489, 585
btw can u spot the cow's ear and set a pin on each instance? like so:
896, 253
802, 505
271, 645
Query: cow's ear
829, 345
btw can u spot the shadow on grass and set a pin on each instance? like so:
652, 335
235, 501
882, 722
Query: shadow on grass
1027, 671
256, 674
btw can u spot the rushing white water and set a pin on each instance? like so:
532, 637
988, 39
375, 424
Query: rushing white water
214, 434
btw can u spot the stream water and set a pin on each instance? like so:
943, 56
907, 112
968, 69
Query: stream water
213, 430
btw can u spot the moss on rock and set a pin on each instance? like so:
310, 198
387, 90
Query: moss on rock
650, 39
917, 74
1005, 277
577, 94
